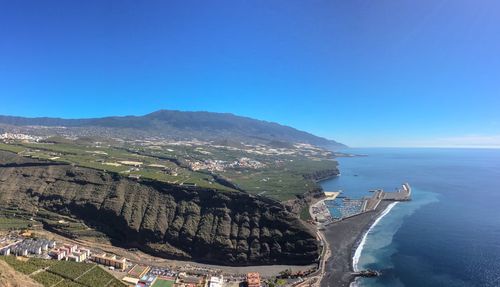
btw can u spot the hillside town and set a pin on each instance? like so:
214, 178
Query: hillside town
24, 244
180, 162
36, 134
220, 165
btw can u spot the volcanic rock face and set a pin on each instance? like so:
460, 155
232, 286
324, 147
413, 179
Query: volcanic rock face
167, 220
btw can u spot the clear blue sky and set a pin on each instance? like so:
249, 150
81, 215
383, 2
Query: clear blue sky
367, 73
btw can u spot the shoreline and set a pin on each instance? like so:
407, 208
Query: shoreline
361, 244
344, 238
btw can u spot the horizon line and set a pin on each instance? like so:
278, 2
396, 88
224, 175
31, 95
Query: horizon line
447, 147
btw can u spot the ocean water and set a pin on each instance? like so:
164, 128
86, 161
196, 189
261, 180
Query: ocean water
448, 235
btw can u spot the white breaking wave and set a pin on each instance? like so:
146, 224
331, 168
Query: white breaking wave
359, 249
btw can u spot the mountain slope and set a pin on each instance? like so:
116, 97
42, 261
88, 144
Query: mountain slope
181, 125
232, 228
9, 277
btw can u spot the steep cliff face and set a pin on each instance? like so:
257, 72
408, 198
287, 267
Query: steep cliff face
166, 220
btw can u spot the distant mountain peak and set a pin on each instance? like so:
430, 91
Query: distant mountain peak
175, 124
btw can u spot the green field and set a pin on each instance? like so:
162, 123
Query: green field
282, 182
14, 223
70, 269
69, 283
27, 266
24, 267
96, 277
11, 148
163, 283
282, 176
304, 213
47, 279
67, 273
107, 158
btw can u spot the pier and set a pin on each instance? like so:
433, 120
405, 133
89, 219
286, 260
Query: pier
403, 194
327, 210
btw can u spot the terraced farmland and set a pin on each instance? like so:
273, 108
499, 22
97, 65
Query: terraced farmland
96, 277
70, 270
63, 273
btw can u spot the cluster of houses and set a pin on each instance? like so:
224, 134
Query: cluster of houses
49, 248
221, 165
70, 252
19, 136
113, 261
182, 280
216, 281
40, 246
29, 246
145, 276
138, 275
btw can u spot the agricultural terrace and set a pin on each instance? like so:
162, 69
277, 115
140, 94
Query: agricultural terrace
14, 223
115, 159
62, 273
279, 173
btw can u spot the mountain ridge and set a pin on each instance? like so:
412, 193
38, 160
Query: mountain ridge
183, 125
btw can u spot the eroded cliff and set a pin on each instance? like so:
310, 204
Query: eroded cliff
231, 228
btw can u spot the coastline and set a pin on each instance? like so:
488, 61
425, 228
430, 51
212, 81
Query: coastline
344, 239
360, 246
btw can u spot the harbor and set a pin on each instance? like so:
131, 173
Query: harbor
334, 207
342, 222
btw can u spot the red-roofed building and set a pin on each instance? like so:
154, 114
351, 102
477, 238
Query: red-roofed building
253, 279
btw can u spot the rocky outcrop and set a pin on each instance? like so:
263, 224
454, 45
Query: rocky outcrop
230, 228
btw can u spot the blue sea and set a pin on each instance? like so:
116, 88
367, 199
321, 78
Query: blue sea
448, 235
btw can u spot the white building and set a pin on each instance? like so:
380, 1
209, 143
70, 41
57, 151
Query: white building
216, 281
45, 246
71, 247
57, 254
73, 258
35, 250
18, 251
86, 251
5, 251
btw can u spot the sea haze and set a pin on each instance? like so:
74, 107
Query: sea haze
449, 234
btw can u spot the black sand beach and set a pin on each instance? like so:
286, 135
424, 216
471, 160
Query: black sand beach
343, 238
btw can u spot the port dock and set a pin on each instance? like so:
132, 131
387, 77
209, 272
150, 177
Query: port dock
402, 194
333, 207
